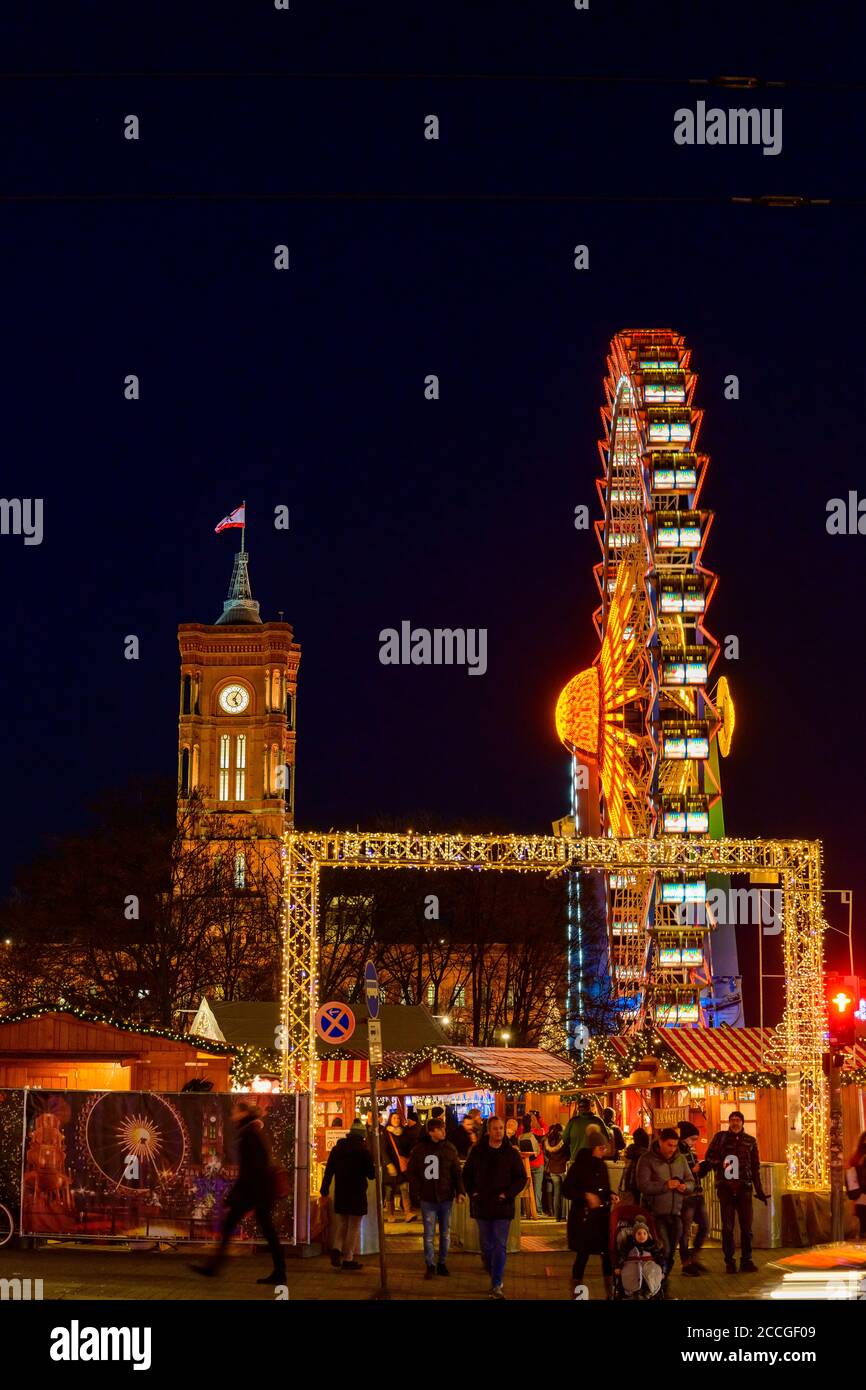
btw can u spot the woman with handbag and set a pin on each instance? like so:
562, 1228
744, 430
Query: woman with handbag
587, 1187
855, 1182
394, 1163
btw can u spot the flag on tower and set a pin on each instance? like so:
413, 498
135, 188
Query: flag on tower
236, 518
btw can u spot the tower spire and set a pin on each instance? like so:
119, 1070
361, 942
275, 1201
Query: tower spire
240, 606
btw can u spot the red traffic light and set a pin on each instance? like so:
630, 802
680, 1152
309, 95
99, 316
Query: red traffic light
843, 1001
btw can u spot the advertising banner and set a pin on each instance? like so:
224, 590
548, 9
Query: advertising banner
140, 1164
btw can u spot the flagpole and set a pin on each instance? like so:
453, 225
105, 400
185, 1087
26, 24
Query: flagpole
244, 527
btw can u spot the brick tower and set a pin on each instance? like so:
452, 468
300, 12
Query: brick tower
236, 740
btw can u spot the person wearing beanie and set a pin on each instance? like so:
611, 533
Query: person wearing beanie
694, 1212
587, 1187
733, 1157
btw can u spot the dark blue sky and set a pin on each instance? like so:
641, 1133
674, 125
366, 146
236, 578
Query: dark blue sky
306, 388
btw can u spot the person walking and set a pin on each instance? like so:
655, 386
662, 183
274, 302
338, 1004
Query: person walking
855, 1182
529, 1145
574, 1136
587, 1187
253, 1191
436, 1181
663, 1179
694, 1212
494, 1176
349, 1168
556, 1157
733, 1157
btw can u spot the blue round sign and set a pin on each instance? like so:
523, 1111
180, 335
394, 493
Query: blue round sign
335, 1022
371, 989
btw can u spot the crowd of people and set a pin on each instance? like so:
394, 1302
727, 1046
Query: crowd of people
660, 1207
658, 1210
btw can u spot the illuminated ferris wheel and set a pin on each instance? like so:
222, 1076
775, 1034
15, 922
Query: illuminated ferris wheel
646, 723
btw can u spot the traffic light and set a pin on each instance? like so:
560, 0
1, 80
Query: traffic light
843, 1002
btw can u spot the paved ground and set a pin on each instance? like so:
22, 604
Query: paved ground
542, 1270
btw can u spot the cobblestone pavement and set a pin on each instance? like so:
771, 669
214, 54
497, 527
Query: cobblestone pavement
542, 1270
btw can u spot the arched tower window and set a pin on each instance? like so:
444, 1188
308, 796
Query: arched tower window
240, 767
186, 695
225, 745
184, 772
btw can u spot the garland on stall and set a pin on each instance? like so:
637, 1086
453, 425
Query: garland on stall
653, 1043
247, 1061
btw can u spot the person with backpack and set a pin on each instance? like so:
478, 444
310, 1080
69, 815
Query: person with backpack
435, 1180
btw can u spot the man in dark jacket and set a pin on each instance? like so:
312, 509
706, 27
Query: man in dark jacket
253, 1191
733, 1157
349, 1167
434, 1181
494, 1176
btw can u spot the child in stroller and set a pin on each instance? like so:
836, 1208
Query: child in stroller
636, 1253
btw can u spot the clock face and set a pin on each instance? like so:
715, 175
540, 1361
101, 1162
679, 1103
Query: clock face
234, 699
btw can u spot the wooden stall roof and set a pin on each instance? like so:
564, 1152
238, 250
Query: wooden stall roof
55, 1032
443, 1069
677, 1056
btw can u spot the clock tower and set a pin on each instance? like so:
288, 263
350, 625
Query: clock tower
236, 741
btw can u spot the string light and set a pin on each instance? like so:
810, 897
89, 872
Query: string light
799, 1044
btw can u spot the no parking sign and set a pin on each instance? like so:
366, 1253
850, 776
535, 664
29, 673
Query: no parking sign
335, 1022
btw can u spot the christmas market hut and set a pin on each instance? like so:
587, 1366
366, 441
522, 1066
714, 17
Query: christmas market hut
63, 1048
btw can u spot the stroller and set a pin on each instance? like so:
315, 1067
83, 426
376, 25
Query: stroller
622, 1227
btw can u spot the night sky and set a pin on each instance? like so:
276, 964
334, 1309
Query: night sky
305, 388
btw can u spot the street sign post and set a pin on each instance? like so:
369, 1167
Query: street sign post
374, 1040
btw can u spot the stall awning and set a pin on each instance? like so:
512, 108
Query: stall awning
724, 1049
344, 1073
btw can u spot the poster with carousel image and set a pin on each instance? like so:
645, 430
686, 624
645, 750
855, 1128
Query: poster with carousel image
140, 1164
